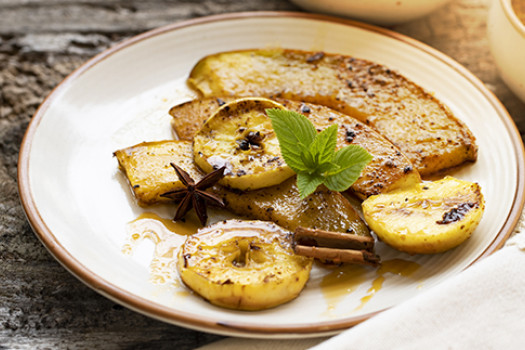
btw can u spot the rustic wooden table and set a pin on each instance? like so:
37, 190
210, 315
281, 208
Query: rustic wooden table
41, 304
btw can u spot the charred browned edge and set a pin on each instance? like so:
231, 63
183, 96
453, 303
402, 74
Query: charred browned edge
218, 326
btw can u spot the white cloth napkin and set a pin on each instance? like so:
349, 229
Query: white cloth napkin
483, 307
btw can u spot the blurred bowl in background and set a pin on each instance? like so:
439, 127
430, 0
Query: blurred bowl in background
506, 34
382, 12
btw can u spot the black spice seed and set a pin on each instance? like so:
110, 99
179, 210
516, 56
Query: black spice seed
305, 109
350, 135
315, 57
243, 144
254, 137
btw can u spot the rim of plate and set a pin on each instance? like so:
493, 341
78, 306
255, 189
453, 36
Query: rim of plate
184, 319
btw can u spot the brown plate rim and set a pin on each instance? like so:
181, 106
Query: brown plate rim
160, 312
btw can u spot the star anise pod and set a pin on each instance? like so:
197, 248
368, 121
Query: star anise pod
194, 194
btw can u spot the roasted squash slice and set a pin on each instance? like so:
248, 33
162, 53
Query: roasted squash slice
148, 171
404, 113
145, 166
389, 169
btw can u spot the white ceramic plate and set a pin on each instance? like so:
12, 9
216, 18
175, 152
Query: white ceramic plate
79, 205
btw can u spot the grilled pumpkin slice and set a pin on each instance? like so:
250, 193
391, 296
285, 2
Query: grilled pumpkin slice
432, 217
148, 171
412, 119
243, 265
190, 116
324, 209
147, 167
389, 169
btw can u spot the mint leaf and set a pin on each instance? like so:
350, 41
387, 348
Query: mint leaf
295, 133
308, 183
350, 162
323, 146
312, 155
309, 161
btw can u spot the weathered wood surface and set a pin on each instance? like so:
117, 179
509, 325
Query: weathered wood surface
41, 305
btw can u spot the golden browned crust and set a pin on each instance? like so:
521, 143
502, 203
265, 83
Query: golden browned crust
408, 116
389, 169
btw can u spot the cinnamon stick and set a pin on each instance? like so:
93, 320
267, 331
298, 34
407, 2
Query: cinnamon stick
337, 256
335, 247
321, 238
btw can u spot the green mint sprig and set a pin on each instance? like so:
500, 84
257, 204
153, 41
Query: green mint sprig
313, 156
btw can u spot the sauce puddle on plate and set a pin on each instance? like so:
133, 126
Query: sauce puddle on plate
346, 279
342, 281
168, 237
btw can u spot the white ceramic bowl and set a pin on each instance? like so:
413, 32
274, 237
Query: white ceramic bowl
382, 12
506, 35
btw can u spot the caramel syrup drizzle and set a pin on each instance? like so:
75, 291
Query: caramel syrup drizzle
346, 279
168, 237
